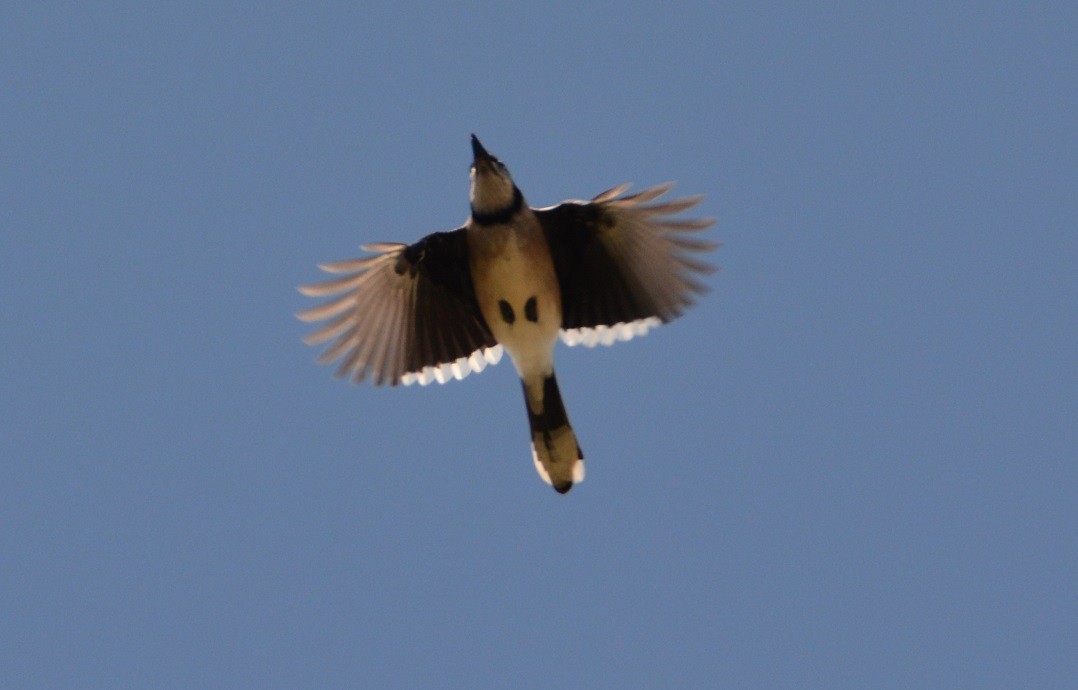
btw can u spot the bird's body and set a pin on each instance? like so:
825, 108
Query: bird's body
512, 277
511, 266
516, 287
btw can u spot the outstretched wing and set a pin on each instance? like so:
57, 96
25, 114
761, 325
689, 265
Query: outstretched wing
407, 314
624, 266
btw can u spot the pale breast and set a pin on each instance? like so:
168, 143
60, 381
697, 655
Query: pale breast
517, 290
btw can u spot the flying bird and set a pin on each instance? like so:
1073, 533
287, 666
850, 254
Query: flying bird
513, 277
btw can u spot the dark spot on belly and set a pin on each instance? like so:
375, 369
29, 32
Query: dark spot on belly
531, 310
507, 312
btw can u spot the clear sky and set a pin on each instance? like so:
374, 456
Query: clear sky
852, 464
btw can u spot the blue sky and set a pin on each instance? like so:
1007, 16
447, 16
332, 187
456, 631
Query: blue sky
851, 465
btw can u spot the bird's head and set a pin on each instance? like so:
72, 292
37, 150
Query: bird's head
493, 192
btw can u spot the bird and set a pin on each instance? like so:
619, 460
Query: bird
513, 279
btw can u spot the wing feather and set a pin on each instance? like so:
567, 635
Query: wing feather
624, 264
407, 314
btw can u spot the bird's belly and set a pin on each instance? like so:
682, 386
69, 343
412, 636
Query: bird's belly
521, 302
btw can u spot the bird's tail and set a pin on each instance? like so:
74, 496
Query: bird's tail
557, 455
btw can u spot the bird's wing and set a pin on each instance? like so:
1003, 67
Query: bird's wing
624, 265
407, 315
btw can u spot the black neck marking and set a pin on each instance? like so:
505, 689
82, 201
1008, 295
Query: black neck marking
501, 216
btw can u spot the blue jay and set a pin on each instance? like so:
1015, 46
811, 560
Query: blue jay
513, 277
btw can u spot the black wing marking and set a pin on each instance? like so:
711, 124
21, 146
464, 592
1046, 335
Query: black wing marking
407, 314
623, 266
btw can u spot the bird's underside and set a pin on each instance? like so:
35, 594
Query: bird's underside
513, 278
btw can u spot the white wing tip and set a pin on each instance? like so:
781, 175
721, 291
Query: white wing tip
493, 355
608, 335
455, 370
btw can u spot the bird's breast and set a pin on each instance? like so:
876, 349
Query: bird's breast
517, 290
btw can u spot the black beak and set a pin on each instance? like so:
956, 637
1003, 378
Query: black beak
479, 152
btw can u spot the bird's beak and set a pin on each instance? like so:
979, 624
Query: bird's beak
480, 153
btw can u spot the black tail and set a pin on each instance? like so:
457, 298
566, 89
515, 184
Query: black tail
557, 455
